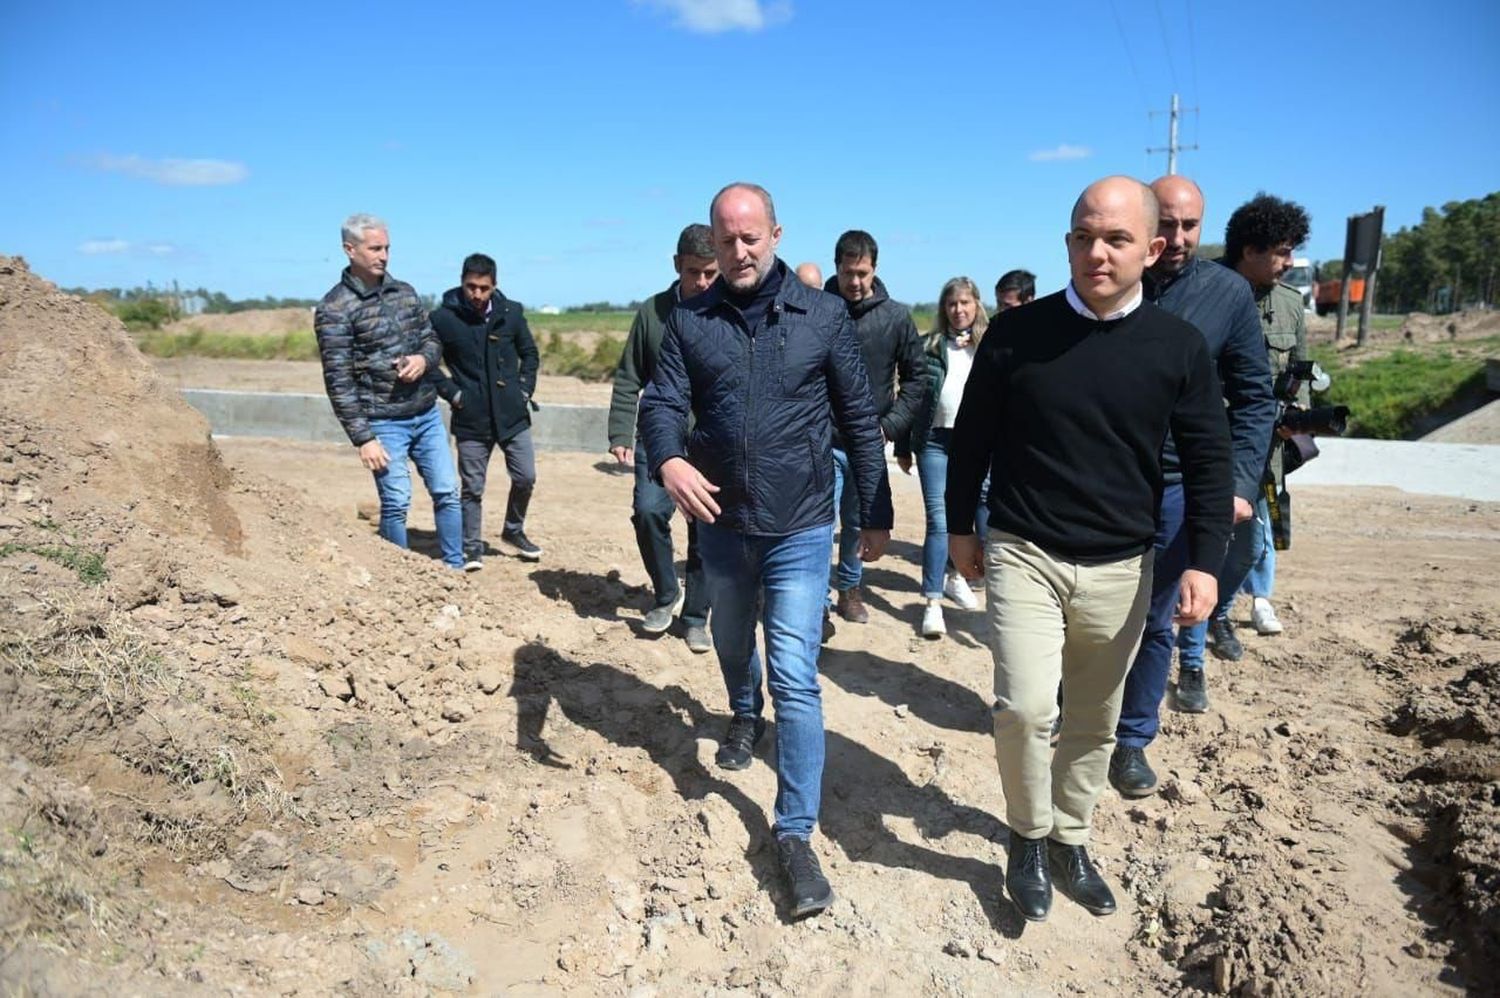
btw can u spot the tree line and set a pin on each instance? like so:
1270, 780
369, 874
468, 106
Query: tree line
1445, 262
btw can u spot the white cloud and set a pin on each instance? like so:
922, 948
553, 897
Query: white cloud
712, 17
115, 247
1061, 152
175, 172
99, 247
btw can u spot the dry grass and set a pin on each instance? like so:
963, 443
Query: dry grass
94, 654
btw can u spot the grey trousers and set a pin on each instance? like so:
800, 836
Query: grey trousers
473, 467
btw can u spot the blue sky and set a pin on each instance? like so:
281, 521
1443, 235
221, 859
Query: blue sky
220, 145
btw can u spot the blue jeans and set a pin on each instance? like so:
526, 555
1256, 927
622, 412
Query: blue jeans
1244, 549
1261, 582
849, 570
424, 440
932, 471
784, 580
1146, 683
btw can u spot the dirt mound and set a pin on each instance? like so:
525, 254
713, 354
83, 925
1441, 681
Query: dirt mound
245, 745
253, 322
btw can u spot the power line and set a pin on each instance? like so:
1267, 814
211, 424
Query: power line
1166, 43
1129, 58
1192, 47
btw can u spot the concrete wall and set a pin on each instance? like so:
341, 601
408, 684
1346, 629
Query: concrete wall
310, 418
1470, 471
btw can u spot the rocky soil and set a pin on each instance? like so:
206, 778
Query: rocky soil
249, 748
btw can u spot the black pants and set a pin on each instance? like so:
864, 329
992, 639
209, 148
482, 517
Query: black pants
473, 467
653, 535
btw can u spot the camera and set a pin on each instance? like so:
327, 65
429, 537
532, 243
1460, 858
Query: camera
1320, 421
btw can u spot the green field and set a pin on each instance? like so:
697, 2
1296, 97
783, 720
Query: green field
1392, 393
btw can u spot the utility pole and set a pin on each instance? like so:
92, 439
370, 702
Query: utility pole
1172, 148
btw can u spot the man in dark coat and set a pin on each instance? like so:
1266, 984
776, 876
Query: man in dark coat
652, 507
898, 380
767, 366
377, 348
492, 362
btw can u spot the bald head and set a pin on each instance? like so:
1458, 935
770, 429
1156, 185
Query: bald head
1180, 223
1118, 190
810, 274
745, 234
1111, 242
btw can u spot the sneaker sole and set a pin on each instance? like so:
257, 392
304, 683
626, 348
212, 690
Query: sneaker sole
472, 566
700, 649
516, 552
653, 629
733, 765
1183, 708
812, 907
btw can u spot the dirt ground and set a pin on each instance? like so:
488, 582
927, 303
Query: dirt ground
251, 748
251, 322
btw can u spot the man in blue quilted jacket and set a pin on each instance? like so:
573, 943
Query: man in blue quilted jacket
767, 366
377, 345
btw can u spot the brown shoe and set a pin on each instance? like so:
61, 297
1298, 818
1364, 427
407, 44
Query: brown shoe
851, 606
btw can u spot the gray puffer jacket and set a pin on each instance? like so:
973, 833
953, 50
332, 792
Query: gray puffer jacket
362, 332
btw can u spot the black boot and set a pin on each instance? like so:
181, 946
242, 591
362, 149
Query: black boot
805, 882
1223, 641
1076, 877
738, 747
1026, 878
1130, 774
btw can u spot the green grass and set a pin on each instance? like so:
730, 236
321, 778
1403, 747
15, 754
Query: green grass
1388, 394
298, 345
569, 359
88, 564
580, 322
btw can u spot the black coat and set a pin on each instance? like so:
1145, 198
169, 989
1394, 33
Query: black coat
492, 364
766, 400
893, 357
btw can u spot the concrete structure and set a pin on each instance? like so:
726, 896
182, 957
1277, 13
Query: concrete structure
1468, 471
310, 418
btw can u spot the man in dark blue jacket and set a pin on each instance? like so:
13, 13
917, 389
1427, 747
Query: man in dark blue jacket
492, 362
1220, 304
767, 365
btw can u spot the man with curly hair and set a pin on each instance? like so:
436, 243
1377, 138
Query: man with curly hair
1259, 241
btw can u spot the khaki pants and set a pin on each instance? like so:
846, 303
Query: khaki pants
1056, 621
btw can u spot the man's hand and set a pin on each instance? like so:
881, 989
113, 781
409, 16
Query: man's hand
967, 555
692, 493
1242, 510
373, 456
411, 367
624, 455
872, 543
903, 461
1196, 595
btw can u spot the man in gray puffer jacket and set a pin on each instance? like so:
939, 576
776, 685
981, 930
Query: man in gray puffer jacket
376, 345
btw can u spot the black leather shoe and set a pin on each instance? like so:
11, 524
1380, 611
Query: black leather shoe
1026, 878
738, 747
805, 882
1130, 773
1222, 640
1076, 877
1192, 691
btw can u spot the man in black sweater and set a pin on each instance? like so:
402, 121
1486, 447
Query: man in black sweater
1066, 408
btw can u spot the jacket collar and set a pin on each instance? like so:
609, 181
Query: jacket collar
362, 289
794, 295
455, 302
1156, 287
877, 295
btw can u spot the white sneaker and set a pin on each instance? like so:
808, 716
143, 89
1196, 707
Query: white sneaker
1263, 616
956, 588
932, 620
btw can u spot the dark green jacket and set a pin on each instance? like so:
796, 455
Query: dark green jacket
637, 364
935, 353
1285, 325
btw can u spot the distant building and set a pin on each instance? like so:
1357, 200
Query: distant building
549, 310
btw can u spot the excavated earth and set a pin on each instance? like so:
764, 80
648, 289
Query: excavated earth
249, 748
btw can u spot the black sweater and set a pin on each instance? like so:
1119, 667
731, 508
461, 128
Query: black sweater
1068, 415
